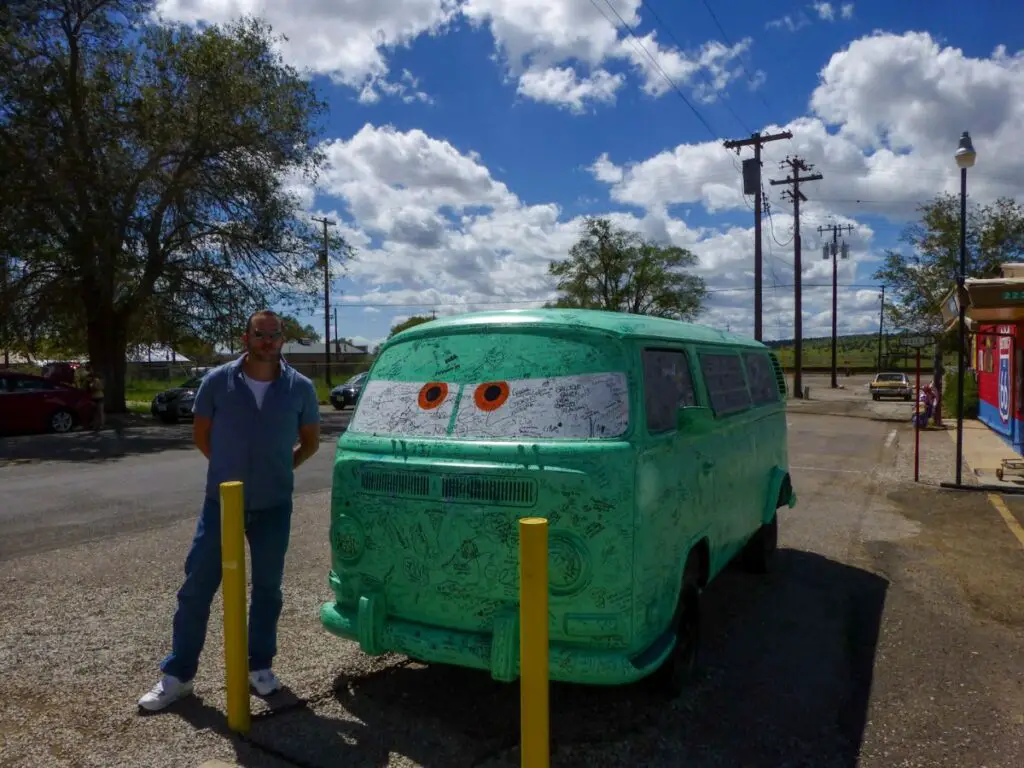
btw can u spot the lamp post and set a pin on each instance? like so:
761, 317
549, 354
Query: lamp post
965, 157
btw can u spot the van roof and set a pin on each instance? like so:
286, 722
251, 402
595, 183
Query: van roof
619, 324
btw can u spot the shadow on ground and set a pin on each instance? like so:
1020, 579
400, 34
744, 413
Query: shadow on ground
136, 438
787, 672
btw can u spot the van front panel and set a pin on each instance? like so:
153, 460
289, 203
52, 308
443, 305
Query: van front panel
455, 439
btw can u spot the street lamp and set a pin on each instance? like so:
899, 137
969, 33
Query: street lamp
965, 157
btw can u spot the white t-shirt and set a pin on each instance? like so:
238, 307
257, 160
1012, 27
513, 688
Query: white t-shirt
259, 389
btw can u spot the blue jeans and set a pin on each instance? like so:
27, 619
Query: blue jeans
267, 531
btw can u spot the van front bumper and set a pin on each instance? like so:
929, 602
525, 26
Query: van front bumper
497, 652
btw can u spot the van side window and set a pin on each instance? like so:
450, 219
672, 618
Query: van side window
764, 389
727, 387
667, 387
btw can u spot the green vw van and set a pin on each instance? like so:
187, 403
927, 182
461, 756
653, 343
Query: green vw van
656, 449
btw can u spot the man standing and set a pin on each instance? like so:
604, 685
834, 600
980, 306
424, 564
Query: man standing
249, 414
95, 384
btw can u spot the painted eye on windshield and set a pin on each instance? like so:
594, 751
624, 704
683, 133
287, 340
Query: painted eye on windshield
432, 395
491, 395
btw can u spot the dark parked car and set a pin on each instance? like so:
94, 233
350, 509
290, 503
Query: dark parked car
347, 394
34, 404
175, 404
61, 372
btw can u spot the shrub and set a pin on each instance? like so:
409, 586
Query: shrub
971, 399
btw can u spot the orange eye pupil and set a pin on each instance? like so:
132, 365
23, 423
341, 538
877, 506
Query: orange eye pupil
491, 395
432, 395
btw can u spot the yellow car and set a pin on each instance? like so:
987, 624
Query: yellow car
891, 385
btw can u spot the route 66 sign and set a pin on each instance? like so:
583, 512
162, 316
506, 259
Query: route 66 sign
1004, 388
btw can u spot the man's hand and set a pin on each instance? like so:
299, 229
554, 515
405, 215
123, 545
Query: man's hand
201, 426
309, 443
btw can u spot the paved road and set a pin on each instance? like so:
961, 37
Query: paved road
889, 635
61, 490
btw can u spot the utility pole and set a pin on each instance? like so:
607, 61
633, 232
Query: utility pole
796, 165
836, 251
752, 186
327, 296
335, 323
881, 327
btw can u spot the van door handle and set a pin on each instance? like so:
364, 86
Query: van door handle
707, 466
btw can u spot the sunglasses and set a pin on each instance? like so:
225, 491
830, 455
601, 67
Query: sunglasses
273, 335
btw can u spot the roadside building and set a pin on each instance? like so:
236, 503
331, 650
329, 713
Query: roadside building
994, 309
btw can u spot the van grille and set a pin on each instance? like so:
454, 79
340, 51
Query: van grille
395, 483
780, 376
467, 489
502, 491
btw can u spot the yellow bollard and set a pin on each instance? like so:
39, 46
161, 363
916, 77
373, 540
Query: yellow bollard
236, 639
533, 642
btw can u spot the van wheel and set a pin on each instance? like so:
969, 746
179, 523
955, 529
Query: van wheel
680, 668
760, 550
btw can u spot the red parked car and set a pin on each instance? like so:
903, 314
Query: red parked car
35, 404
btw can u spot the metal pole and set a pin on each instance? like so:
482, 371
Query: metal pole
535, 747
917, 420
236, 660
835, 305
881, 325
327, 298
758, 268
962, 330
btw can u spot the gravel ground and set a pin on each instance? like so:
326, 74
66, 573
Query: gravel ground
889, 635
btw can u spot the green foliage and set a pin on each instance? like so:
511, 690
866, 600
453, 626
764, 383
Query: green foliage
294, 331
971, 397
412, 322
613, 269
146, 176
920, 275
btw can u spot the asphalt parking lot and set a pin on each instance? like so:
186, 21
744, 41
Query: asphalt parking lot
890, 635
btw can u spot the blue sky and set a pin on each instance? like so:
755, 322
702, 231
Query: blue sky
466, 137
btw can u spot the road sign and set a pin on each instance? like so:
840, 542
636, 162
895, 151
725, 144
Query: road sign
915, 342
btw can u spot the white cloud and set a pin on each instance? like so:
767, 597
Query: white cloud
887, 115
347, 42
559, 51
822, 11
563, 87
438, 230
789, 22
825, 11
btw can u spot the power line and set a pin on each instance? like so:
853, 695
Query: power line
728, 42
520, 302
752, 186
654, 61
794, 180
835, 252
680, 46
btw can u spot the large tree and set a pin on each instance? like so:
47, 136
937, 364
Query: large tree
614, 269
920, 274
146, 172
408, 323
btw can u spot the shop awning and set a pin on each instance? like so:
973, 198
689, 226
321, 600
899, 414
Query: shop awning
991, 300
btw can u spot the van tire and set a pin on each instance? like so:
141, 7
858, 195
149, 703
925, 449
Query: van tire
760, 550
679, 670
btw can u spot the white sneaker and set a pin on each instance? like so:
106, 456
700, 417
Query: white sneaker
264, 682
167, 691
